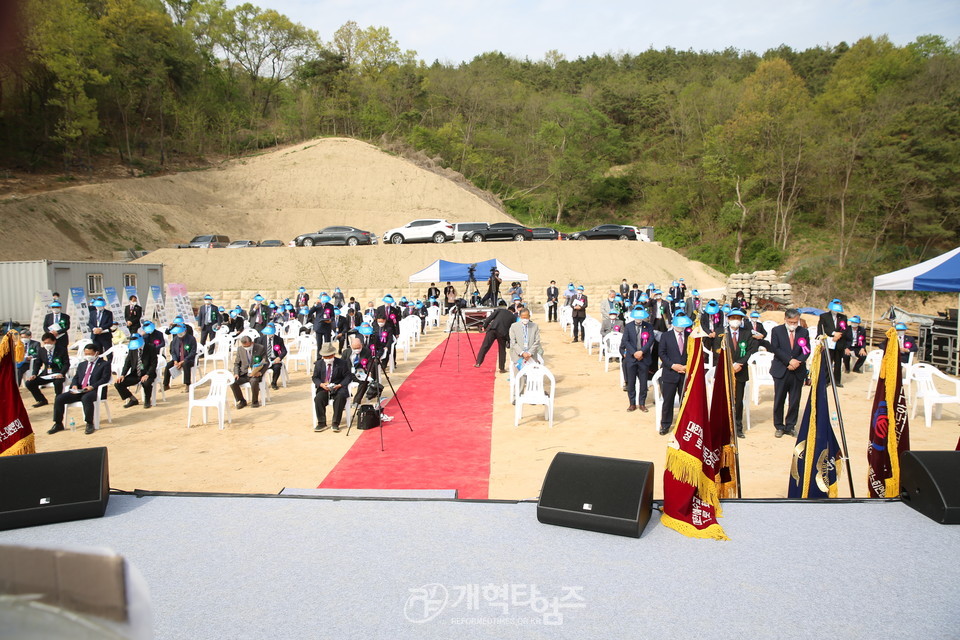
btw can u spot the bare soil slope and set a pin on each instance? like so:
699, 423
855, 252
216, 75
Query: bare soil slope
277, 195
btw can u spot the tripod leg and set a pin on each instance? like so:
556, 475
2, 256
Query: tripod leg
399, 404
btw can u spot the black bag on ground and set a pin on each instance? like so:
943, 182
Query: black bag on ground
369, 417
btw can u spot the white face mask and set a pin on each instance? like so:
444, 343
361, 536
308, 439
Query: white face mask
328, 361
734, 324
792, 327
524, 320
89, 357
48, 347
355, 352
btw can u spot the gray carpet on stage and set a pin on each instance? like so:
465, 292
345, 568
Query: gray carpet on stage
228, 567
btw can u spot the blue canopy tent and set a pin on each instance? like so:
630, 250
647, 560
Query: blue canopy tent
446, 271
937, 274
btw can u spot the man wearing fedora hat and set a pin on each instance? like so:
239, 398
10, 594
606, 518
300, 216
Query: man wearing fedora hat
140, 367
331, 377
249, 366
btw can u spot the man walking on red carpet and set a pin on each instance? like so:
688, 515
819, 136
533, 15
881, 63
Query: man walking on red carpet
497, 326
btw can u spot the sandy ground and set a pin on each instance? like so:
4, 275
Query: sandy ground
272, 447
277, 195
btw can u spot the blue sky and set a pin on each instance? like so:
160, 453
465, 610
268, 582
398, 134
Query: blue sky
455, 31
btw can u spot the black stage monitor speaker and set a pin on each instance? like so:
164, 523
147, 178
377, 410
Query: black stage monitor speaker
42, 488
609, 495
930, 483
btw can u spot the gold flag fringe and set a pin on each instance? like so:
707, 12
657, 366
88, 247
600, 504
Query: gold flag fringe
728, 457
713, 532
22, 447
11, 341
688, 469
890, 370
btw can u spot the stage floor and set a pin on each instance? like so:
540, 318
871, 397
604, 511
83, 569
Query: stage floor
305, 567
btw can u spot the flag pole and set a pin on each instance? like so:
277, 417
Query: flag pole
836, 402
731, 393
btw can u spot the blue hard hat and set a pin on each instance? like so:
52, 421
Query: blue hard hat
136, 342
855, 319
618, 298
639, 313
269, 330
644, 298
149, 326
419, 305
55, 304
736, 313
233, 313
301, 290
657, 291
669, 298
681, 304
754, 314
836, 307
336, 311
208, 297
580, 287
288, 307
900, 327
388, 299
433, 299
695, 293
221, 309
337, 290
258, 298
177, 330
712, 308
324, 298
365, 329
98, 302
272, 305
403, 300
725, 309
682, 320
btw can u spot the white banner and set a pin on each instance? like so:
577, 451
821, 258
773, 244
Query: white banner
79, 313
113, 303
41, 307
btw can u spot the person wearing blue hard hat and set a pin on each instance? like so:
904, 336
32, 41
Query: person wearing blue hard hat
235, 322
140, 368
833, 324
337, 299
302, 298
183, 356
678, 290
712, 323
53, 359
906, 344
568, 294
208, 319
276, 351
579, 303
92, 372
743, 345
433, 291
153, 335
249, 366
790, 345
659, 311
673, 359
855, 342
322, 319
636, 352
259, 314
57, 323
390, 313
757, 329
99, 324
694, 302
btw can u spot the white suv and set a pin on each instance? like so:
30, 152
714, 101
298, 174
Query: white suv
437, 231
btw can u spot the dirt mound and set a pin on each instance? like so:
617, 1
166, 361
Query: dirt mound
277, 195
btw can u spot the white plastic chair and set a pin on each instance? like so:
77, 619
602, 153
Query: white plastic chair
290, 329
253, 334
264, 394
874, 358
222, 348
119, 353
924, 375
610, 348
284, 376
433, 316
768, 325
658, 399
759, 367
591, 334
347, 409
101, 400
220, 381
304, 353
565, 318
512, 373
529, 388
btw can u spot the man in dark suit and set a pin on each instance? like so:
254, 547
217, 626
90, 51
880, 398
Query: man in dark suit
659, 311
183, 355
276, 351
153, 335
331, 377
99, 324
694, 303
636, 350
339, 328
633, 299
391, 313
711, 321
497, 325
790, 345
624, 289
91, 373
208, 317
31, 350
52, 360
758, 331
833, 324
259, 313
493, 289
433, 291
673, 358
57, 323
321, 317
553, 301
303, 298
675, 291
579, 303
381, 340
855, 342
140, 367
740, 340
249, 366
133, 315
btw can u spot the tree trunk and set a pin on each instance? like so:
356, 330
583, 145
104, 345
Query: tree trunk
743, 219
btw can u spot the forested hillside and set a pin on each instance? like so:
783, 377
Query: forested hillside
836, 162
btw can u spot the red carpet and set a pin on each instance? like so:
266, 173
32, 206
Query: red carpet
451, 414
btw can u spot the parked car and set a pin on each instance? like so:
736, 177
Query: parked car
500, 231
242, 244
350, 236
432, 230
461, 228
271, 243
606, 232
641, 235
207, 242
546, 233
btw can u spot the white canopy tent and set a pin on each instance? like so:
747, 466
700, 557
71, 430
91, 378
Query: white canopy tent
937, 274
444, 271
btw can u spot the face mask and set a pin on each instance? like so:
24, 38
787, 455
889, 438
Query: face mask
792, 327
381, 324
113, 329
524, 320
89, 357
48, 347
734, 324
328, 360
355, 352
25, 340
901, 333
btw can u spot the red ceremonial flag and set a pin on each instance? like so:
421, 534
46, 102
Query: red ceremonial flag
889, 427
721, 422
16, 436
691, 502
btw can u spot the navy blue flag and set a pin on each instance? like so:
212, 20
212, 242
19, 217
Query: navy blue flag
816, 456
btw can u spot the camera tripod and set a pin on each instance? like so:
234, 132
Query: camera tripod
456, 322
370, 373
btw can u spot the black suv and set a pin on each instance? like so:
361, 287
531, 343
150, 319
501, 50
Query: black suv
606, 232
500, 231
350, 236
